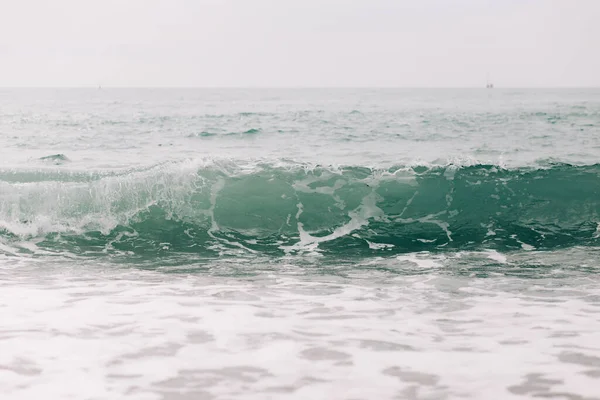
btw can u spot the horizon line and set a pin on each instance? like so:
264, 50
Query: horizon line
298, 87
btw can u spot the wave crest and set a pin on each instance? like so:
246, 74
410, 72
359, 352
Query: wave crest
214, 207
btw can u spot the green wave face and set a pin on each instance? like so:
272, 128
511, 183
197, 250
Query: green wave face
216, 209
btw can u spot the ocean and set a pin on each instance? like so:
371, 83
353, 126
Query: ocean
299, 244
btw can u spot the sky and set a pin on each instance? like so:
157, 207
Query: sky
299, 43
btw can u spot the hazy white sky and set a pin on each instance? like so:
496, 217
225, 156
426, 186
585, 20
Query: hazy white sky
422, 43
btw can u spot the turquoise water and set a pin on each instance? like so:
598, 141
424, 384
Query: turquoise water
263, 243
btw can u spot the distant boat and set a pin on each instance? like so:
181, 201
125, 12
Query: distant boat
489, 85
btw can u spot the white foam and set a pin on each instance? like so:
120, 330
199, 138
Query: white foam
524, 245
380, 246
75, 330
359, 218
33, 209
423, 260
494, 255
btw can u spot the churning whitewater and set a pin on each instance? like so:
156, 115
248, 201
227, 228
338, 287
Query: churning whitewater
208, 207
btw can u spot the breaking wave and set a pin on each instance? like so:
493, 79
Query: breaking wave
222, 207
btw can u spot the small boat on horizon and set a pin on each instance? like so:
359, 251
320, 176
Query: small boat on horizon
489, 84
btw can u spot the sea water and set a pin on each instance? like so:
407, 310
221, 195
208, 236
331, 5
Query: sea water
299, 243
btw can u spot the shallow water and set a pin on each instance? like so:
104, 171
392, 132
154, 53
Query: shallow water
329, 244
